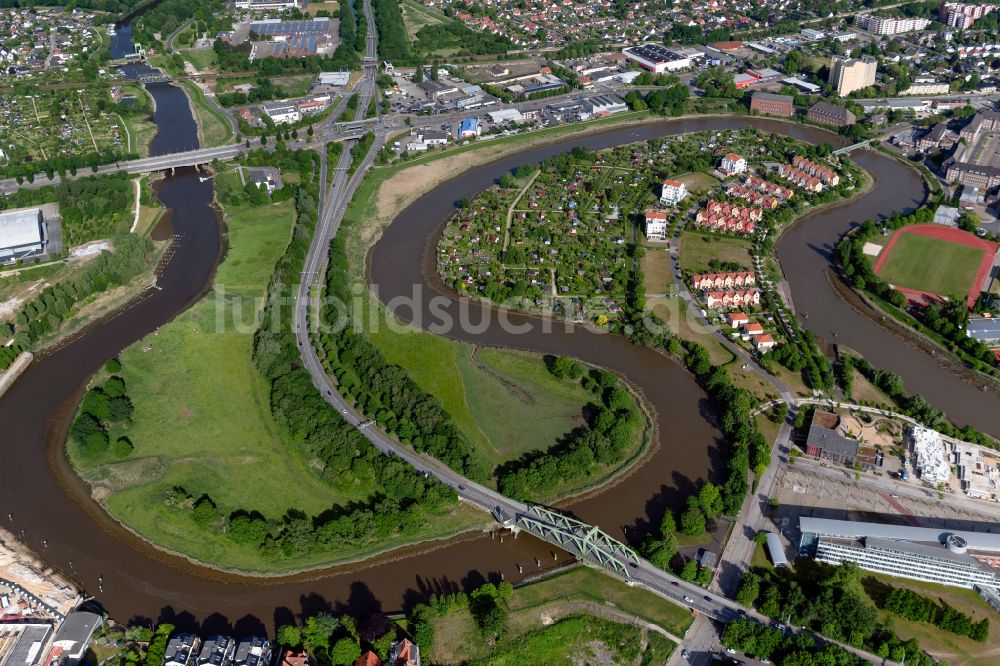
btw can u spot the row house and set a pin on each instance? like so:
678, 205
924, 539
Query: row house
826, 175
767, 187
732, 210
759, 199
731, 280
800, 178
723, 224
732, 299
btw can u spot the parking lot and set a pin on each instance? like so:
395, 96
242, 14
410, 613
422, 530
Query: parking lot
832, 492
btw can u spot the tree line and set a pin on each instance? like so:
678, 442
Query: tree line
45, 313
585, 452
90, 208
820, 597
403, 496
104, 407
912, 606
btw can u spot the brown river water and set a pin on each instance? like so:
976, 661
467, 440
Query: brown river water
47, 502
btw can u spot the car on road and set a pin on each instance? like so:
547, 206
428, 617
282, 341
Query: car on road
730, 650
708, 598
675, 583
685, 653
688, 599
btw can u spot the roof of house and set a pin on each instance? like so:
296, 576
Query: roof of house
76, 630
368, 659
831, 441
983, 328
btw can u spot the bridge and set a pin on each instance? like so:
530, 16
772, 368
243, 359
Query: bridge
155, 78
181, 159
586, 542
849, 149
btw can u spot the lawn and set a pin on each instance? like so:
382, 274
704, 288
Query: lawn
946, 646
202, 59
549, 622
697, 249
931, 265
329, 6
202, 419
416, 17
213, 127
699, 182
656, 274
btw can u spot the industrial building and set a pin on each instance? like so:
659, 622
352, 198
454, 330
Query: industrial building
984, 329
946, 557
830, 114
23, 233
604, 105
74, 635
850, 74
263, 5
279, 28
772, 105
335, 79
657, 58
24, 643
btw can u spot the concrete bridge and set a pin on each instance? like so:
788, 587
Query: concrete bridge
181, 159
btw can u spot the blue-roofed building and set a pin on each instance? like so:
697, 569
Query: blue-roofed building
468, 128
984, 329
276, 28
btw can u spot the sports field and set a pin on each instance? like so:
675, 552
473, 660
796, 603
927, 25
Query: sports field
932, 259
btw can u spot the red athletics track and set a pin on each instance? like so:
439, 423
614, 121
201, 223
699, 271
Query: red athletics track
952, 235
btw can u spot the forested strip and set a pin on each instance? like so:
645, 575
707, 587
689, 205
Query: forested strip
46, 312
919, 608
393, 43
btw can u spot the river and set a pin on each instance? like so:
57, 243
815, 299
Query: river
48, 502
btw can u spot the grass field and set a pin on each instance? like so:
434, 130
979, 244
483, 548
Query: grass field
213, 127
945, 646
698, 182
656, 274
416, 17
931, 265
546, 624
330, 6
202, 59
697, 249
202, 419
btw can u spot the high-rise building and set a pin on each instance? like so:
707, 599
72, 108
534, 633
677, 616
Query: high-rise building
850, 74
885, 25
962, 15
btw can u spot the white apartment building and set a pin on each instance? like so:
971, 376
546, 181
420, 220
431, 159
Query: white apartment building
884, 25
656, 225
733, 164
673, 192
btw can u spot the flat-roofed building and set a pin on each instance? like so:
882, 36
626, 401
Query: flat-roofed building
180, 650
22, 234
772, 105
336, 79
948, 557
278, 28
282, 113
657, 58
824, 441
74, 635
887, 25
673, 192
217, 651
24, 643
254, 651
850, 74
984, 329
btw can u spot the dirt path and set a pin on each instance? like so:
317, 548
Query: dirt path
513, 204
521, 394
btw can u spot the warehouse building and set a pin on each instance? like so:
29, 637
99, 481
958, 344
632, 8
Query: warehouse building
23, 233
984, 329
946, 557
657, 58
772, 105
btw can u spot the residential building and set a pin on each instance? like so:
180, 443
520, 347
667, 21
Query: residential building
673, 192
253, 651
21, 642
830, 114
404, 653
885, 25
295, 659
656, 225
763, 343
737, 319
962, 15
217, 651
780, 192
800, 178
369, 658
928, 88
23, 233
772, 105
939, 136
732, 299
824, 441
724, 281
850, 74
728, 218
74, 636
657, 58
180, 649
984, 329
826, 175
944, 556
733, 164
262, 5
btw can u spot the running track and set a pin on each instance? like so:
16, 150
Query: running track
951, 235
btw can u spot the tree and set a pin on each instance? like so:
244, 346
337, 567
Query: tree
710, 500
318, 631
289, 636
114, 366
749, 589
344, 652
693, 520
122, 447
204, 512
689, 571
